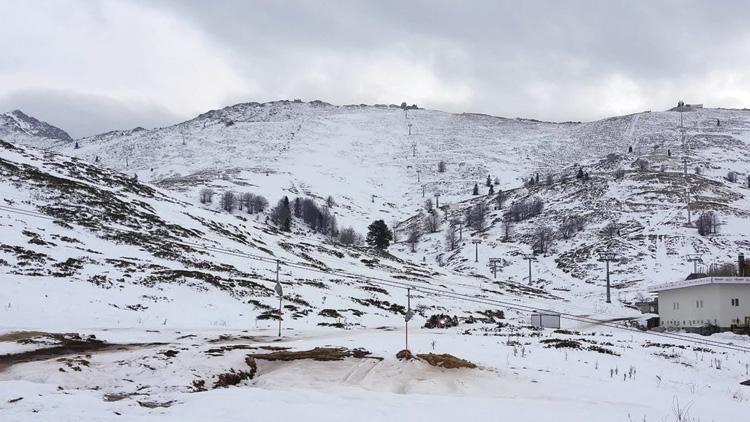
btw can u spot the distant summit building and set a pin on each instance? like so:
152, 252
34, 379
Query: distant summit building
682, 106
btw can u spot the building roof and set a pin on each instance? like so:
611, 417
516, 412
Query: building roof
701, 282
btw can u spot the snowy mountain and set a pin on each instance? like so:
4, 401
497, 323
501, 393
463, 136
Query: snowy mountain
366, 158
123, 294
15, 126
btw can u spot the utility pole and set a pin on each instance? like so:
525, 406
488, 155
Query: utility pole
409, 314
476, 243
437, 200
529, 257
414, 149
494, 264
695, 258
685, 160
280, 292
460, 230
422, 191
409, 128
606, 257
419, 175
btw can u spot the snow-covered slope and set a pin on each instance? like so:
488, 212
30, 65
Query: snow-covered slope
365, 157
178, 294
69, 227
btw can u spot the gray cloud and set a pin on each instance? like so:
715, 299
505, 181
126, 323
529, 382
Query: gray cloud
82, 115
573, 60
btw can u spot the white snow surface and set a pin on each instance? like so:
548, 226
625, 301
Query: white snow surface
127, 262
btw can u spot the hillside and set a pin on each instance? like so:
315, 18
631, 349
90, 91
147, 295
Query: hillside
123, 294
365, 158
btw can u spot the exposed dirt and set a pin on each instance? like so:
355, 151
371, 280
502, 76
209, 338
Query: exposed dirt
446, 361
318, 353
405, 354
233, 378
65, 344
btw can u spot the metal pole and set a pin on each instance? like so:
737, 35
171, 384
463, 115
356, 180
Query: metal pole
406, 320
280, 296
476, 252
529, 270
608, 297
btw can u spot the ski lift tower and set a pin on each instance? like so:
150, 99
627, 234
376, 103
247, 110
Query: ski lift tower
606, 257
695, 258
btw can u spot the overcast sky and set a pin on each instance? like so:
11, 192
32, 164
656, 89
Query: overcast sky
91, 66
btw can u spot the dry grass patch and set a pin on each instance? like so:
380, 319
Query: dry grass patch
446, 360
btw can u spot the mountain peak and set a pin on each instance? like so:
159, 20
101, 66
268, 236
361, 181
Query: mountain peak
19, 127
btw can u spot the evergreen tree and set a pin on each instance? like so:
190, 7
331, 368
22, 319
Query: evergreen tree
630, 149
476, 189
489, 181
76, 147
282, 215
378, 235
580, 173
492, 190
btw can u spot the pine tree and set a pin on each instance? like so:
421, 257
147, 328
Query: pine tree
378, 235
76, 147
282, 215
476, 189
492, 189
580, 173
630, 149
489, 181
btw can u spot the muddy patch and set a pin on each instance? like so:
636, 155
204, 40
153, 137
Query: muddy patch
59, 345
318, 353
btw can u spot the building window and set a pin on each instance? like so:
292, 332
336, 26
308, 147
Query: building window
699, 303
736, 302
675, 305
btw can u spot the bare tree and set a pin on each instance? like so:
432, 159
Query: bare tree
476, 216
228, 201
611, 230
543, 238
642, 164
707, 223
428, 205
246, 199
206, 195
500, 199
507, 227
548, 180
432, 222
413, 238
571, 225
330, 202
450, 238
441, 166
394, 230
349, 236
259, 204
524, 209
732, 176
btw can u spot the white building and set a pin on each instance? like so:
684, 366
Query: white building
719, 301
